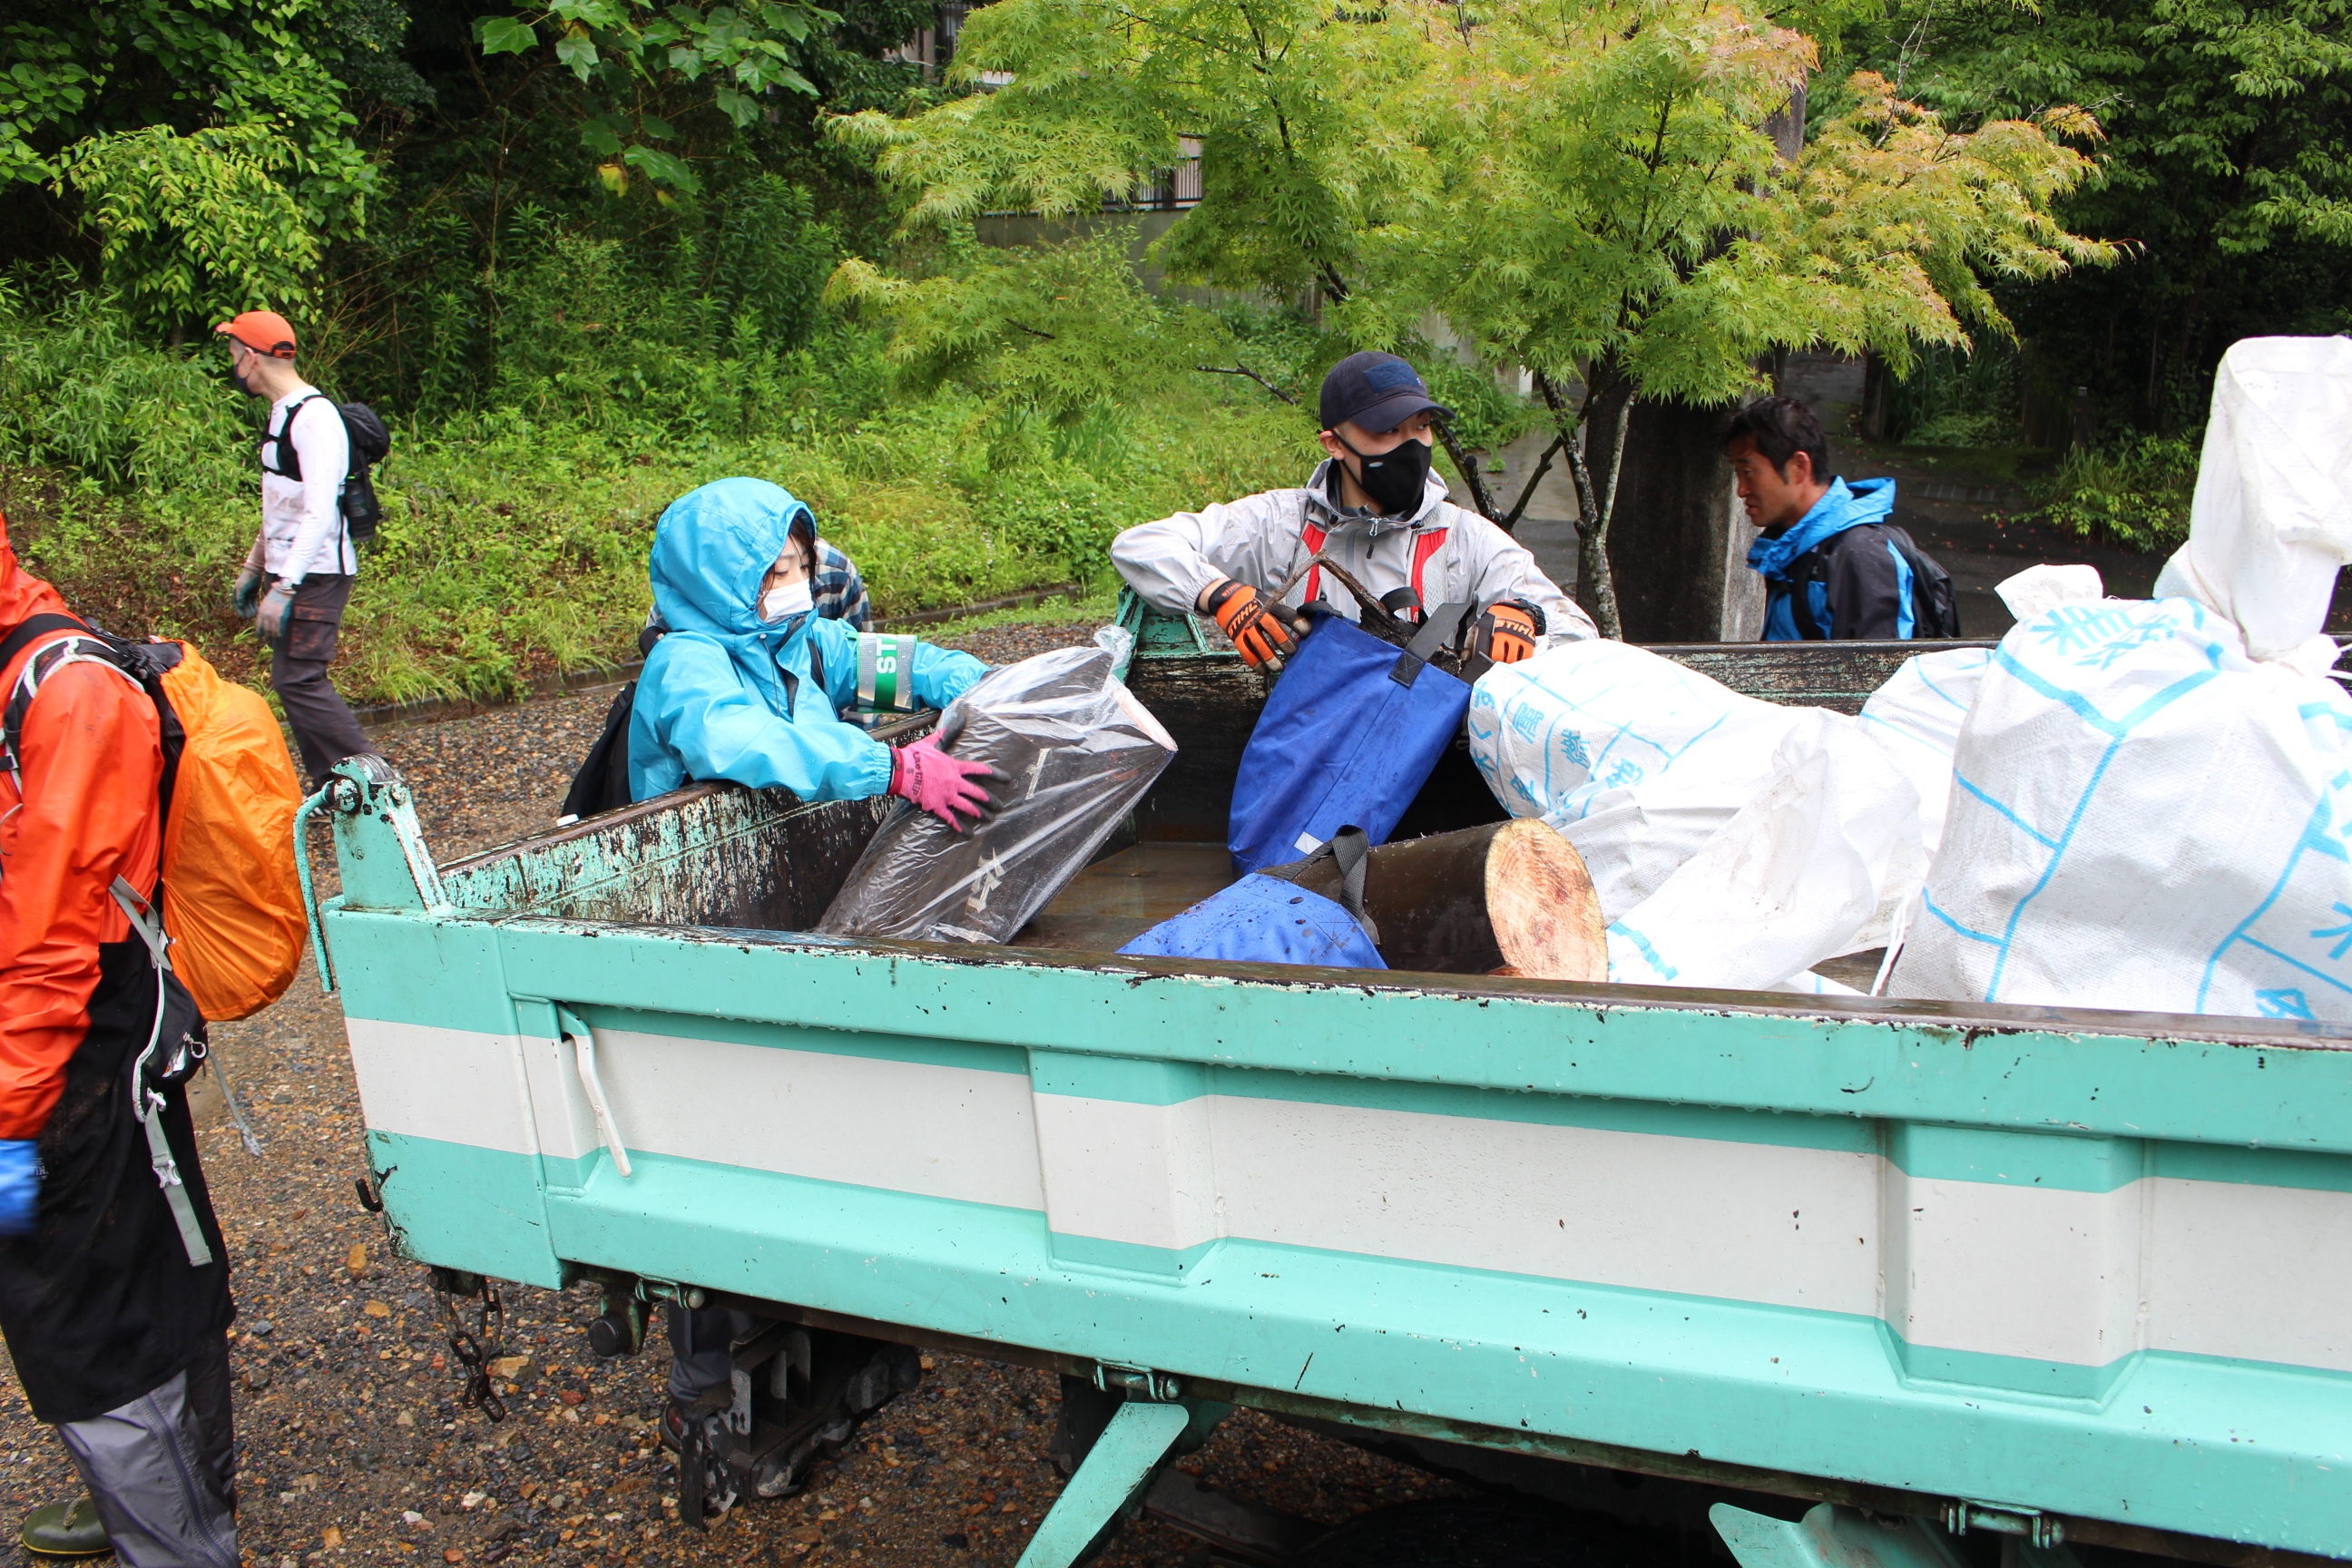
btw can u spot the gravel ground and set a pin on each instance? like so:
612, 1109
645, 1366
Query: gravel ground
356, 1445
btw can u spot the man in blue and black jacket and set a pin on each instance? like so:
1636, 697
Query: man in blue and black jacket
1829, 571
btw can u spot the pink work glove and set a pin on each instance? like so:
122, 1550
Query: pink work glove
940, 783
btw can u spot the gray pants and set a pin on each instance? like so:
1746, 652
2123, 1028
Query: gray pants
162, 1470
324, 725
701, 1352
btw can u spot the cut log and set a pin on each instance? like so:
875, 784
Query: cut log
1510, 896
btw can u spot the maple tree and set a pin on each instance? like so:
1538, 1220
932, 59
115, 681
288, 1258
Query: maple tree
1586, 191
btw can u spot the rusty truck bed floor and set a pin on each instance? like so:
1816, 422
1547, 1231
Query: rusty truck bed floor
1121, 896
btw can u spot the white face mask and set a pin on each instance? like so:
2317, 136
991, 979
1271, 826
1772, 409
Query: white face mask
791, 599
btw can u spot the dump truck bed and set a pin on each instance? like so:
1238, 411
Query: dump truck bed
2081, 1272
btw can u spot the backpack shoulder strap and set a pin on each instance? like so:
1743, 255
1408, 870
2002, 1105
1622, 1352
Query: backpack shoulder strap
1807, 570
31, 629
281, 441
602, 781
85, 648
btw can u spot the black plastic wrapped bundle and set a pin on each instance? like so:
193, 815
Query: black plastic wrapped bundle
1077, 751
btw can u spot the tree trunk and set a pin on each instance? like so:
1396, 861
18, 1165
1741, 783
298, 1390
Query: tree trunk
1607, 412
1512, 896
1678, 543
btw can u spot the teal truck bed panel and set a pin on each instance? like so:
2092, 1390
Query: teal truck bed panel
2091, 1265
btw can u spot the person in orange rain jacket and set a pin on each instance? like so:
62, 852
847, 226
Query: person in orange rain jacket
117, 1325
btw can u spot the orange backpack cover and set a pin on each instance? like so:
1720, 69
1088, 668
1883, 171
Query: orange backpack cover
231, 897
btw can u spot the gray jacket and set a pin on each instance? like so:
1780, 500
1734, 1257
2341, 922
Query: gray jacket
1261, 541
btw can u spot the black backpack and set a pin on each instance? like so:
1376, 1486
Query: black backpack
1935, 606
371, 442
602, 782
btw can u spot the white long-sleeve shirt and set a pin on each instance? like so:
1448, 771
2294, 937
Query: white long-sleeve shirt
302, 530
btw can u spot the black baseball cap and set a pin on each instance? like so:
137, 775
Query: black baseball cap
1378, 391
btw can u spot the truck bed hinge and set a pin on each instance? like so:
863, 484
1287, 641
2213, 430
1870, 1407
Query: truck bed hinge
690, 1297
1136, 1382
2004, 1519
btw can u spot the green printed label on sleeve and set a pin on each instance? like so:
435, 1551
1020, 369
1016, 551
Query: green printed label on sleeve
885, 671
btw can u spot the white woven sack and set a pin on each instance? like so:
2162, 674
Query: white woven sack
1796, 877
1635, 758
2144, 815
1916, 716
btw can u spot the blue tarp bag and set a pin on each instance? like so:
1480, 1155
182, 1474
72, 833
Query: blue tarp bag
1349, 735
1266, 919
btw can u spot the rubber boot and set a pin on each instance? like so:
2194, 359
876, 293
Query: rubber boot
66, 1530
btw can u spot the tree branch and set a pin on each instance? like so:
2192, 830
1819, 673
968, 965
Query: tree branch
1467, 461
1594, 503
1241, 369
1030, 330
1543, 467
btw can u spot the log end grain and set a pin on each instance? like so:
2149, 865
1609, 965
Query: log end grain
1547, 918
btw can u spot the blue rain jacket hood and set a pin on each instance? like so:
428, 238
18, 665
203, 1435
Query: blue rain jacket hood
727, 695
1841, 507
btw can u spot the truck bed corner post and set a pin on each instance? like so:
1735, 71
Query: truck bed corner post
1113, 1473
382, 851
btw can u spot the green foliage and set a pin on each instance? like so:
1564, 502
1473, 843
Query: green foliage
1287, 110
1561, 182
769, 255
728, 56
81, 390
196, 226
81, 71
1487, 417
2133, 492
1063, 332
2227, 161
1955, 398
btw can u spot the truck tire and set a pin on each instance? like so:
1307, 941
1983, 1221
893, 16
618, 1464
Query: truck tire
1475, 1533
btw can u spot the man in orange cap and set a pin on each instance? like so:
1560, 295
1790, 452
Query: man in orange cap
298, 576
117, 1331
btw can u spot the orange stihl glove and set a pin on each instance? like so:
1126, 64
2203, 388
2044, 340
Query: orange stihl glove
1508, 632
1257, 628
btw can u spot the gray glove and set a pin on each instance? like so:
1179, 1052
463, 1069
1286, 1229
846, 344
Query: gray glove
275, 607
246, 597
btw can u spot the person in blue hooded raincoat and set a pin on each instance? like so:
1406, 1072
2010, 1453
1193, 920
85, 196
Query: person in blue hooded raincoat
748, 685
1829, 570
750, 682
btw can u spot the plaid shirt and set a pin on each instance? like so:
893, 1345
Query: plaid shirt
839, 590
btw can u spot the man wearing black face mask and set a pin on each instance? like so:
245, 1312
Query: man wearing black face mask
1375, 508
